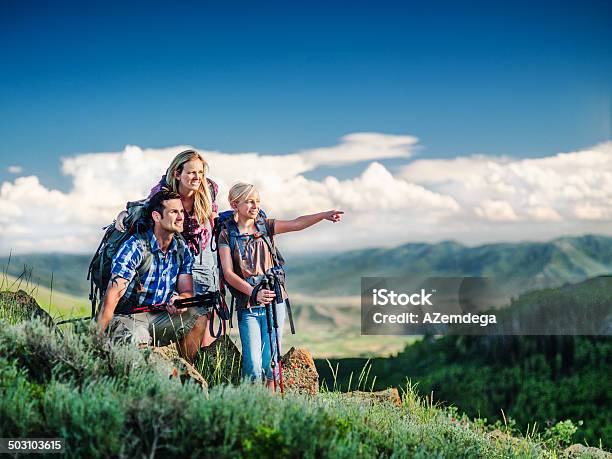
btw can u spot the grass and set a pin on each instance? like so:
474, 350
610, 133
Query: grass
59, 305
76, 386
72, 383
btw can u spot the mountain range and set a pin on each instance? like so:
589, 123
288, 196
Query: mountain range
532, 264
535, 264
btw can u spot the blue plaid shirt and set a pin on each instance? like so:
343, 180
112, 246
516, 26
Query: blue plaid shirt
160, 281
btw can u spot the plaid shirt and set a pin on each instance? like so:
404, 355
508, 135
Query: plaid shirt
159, 282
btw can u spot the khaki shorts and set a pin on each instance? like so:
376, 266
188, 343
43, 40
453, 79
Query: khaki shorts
157, 328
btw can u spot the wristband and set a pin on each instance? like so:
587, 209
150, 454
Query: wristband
253, 297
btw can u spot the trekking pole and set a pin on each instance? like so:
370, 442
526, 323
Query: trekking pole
269, 323
277, 294
77, 319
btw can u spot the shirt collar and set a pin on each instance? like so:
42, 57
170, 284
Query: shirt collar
155, 246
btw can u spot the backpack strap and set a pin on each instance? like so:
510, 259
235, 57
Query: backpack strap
212, 187
141, 271
147, 261
262, 228
277, 261
180, 249
236, 239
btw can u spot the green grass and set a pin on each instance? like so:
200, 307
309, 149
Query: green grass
59, 305
76, 386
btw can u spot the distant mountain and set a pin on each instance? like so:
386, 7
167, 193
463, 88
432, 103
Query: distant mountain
69, 271
544, 264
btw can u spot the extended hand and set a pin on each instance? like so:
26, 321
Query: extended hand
333, 215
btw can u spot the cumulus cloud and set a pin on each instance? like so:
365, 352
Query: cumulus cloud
14, 170
473, 199
35, 218
496, 210
568, 187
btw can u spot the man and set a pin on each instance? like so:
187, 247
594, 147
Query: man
169, 272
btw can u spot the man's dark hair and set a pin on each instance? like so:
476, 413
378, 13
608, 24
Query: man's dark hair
156, 203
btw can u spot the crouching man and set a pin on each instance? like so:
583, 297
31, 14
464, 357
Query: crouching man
154, 291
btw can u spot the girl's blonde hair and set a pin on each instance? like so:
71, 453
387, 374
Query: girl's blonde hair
202, 203
239, 192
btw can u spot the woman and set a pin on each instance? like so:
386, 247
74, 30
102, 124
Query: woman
186, 175
246, 263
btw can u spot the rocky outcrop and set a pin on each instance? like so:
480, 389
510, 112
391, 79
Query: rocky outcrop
220, 362
299, 372
177, 366
581, 451
390, 395
19, 306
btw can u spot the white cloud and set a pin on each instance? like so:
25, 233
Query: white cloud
566, 187
496, 210
361, 146
35, 218
472, 199
14, 170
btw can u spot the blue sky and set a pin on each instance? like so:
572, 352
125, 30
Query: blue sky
519, 79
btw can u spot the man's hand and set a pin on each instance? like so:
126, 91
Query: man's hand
173, 309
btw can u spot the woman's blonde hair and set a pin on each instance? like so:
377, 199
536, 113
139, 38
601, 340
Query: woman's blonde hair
239, 192
202, 203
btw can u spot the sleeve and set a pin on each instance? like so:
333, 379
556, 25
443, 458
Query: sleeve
158, 187
223, 238
127, 259
187, 266
270, 223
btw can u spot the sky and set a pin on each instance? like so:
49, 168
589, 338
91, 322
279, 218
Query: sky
479, 121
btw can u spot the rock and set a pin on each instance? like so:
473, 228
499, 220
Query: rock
499, 436
390, 395
581, 451
19, 306
299, 372
220, 362
179, 367
170, 351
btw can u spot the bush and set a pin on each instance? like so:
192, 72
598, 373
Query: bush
117, 401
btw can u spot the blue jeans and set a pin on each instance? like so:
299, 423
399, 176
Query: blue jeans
256, 355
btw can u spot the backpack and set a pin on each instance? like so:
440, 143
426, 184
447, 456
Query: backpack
237, 241
99, 271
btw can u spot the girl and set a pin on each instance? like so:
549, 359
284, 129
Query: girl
253, 260
186, 175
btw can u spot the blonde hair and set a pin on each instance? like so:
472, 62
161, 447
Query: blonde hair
202, 203
239, 192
